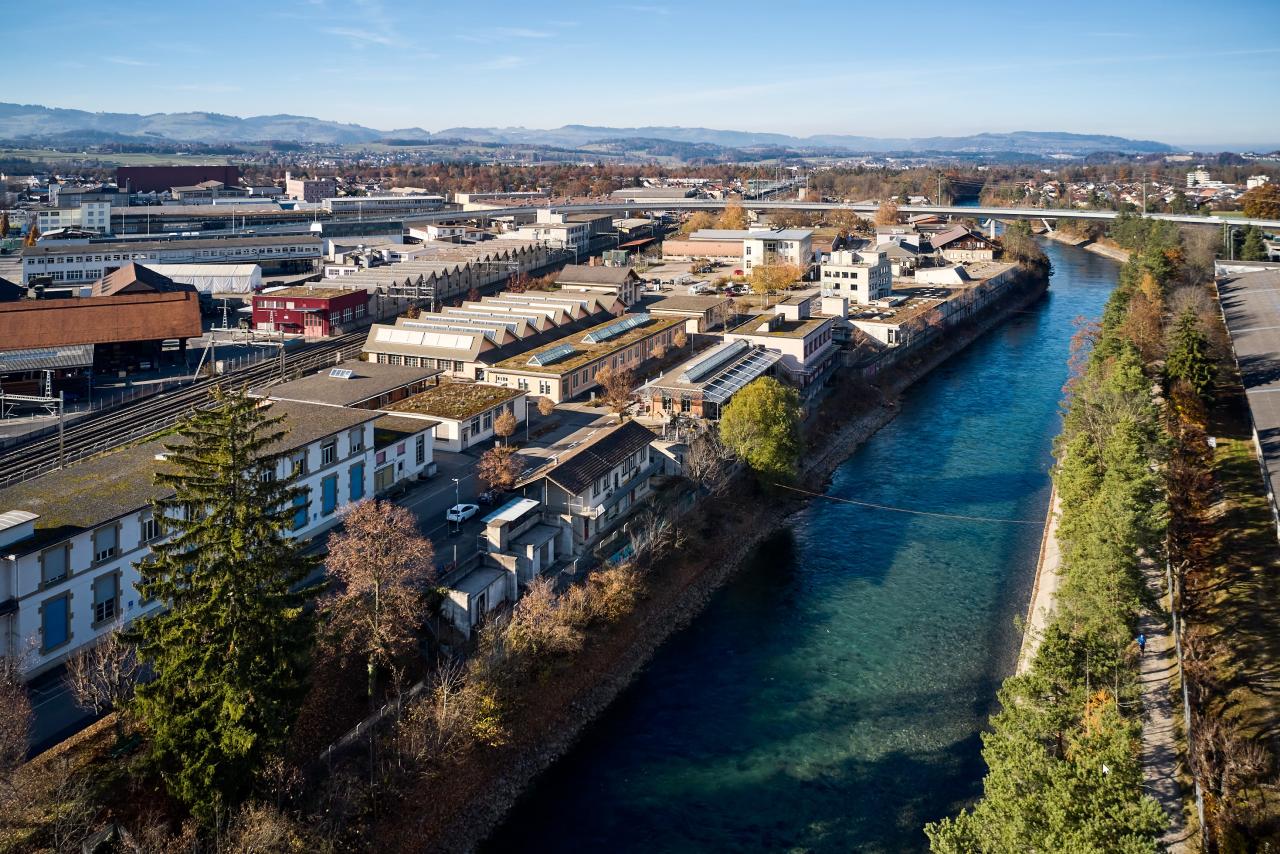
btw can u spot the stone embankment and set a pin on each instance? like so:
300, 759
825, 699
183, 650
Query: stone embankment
1046, 586
463, 826
1105, 248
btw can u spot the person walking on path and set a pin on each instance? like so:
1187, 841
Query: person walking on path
1142, 644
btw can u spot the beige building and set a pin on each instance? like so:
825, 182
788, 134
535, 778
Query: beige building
620, 282
568, 368
309, 189
805, 339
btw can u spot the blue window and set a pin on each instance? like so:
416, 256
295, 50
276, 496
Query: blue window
56, 622
328, 495
357, 481
300, 514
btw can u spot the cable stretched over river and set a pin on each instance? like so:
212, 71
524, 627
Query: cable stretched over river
913, 512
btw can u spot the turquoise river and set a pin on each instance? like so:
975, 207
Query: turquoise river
830, 697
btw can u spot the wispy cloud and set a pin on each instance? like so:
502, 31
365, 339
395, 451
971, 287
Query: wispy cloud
499, 63
644, 8
362, 37
524, 33
498, 34
126, 60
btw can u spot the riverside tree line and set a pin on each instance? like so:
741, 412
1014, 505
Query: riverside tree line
1064, 751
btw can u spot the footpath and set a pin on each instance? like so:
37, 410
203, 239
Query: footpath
1160, 743
1045, 588
1157, 677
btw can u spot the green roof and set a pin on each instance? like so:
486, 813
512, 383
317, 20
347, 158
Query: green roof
586, 351
455, 401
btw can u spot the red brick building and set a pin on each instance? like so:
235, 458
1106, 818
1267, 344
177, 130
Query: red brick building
313, 312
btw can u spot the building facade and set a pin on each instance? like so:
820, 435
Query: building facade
859, 275
88, 262
314, 190
69, 547
569, 368
311, 312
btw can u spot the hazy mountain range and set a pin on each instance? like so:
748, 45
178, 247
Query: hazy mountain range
37, 123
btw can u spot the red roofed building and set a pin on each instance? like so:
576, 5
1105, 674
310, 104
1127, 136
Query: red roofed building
313, 312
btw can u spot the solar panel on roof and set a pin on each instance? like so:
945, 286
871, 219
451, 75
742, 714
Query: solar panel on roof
342, 373
703, 368
613, 330
555, 354
727, 384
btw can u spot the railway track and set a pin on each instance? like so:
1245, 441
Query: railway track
150, 415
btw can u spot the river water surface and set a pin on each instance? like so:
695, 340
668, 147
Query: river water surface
831, 695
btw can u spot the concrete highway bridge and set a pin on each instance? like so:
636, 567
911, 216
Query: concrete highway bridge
371, 226
861, 208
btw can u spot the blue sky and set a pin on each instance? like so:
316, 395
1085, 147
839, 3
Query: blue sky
1180, 72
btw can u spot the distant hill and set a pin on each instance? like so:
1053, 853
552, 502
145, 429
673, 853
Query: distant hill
34, 122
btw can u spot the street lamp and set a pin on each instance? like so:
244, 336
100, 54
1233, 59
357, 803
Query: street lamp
457, 494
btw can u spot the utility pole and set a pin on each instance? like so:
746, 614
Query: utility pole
62, 428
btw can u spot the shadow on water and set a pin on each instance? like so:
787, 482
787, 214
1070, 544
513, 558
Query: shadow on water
830, 697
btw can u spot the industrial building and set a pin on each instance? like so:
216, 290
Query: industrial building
158, 179
702, 386
564, 369
123, 326
86, 262
465, 340
440, 271
309, 311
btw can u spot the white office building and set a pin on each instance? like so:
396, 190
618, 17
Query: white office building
861, 276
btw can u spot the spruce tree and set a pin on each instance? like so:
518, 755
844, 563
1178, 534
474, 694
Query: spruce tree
1188, 354
1253, 249
228, 654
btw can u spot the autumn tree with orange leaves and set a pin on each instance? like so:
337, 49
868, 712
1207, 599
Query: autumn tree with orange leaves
382, 569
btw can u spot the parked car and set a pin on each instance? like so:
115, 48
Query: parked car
492, 496
461, 512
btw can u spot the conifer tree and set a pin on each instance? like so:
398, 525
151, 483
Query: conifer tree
1253, 249
228, 653
1188, 357
4, 225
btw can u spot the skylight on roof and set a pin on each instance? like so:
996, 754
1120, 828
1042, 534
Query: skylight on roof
613, 330
555, 354
342, 373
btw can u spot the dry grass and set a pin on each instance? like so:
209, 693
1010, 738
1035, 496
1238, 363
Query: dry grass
1234, 622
